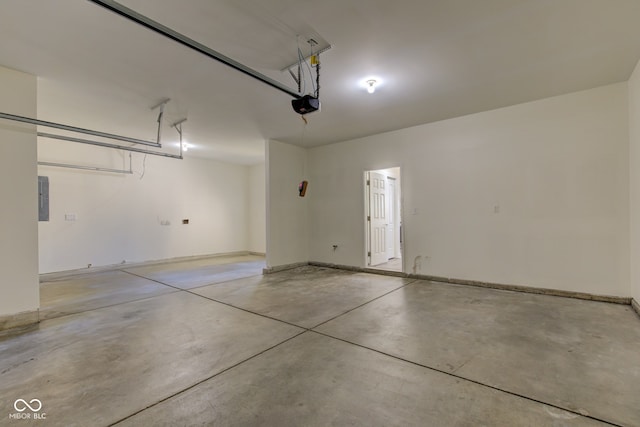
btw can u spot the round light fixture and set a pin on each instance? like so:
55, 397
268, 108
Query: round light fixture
371, 85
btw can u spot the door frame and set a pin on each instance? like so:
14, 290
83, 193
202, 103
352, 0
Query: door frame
392, 182
399, 217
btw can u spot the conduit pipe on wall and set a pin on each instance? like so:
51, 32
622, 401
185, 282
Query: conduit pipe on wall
190, 43
44, 123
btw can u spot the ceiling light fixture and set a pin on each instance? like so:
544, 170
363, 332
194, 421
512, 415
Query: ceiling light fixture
371, 86
185, 146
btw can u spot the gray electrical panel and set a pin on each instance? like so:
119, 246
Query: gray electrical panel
43, 198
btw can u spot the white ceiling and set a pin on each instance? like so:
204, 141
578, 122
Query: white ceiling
437, 59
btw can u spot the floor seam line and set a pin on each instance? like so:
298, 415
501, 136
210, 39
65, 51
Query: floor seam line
467, 379
177, 289
207, 379
361, 305
106, 306
153, 280
189, 291
196, 287
226, 281
247, 311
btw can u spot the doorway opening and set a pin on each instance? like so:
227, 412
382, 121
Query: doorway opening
383, 219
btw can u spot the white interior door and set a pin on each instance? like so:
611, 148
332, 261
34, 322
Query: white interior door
378, 217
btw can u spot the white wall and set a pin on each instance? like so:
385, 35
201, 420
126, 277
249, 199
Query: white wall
555, 169
121, 217
287, 213
257, 209
19, 286
634, 162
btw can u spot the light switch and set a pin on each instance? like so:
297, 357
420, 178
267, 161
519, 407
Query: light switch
70, 217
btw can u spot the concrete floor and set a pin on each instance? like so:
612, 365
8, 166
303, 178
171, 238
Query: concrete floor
208, 343
394, 264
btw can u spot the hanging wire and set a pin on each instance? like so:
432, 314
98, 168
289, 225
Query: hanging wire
303, 80
318, 76
313, 86
302, 75
299, 76
304, 130
144, 166
316, 87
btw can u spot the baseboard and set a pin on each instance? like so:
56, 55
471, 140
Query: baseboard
635, 306
336, 266
19, 320
516, 288
257, 253
284, 267
44, 277
526, 289
358, 269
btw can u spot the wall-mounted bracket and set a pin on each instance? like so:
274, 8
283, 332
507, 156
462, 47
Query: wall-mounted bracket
307, 57
178, 126
160, 105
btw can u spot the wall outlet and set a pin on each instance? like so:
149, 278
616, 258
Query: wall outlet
70, 217
165, 222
